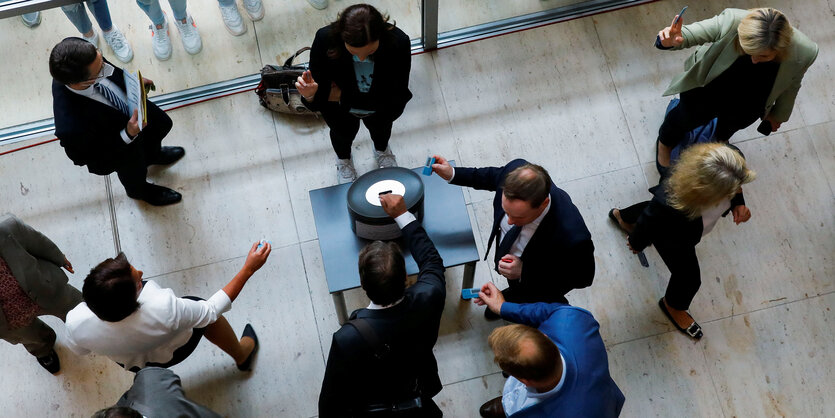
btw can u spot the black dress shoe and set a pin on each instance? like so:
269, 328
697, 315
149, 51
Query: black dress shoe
490, 315
168, 155
247, 364
50, 362
492, 409
161, 196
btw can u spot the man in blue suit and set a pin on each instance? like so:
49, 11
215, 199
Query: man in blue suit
96, 128
556, 360
543, 247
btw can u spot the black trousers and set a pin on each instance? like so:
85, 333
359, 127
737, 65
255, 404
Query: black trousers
344, 127
520, 292
680, 258
697, 107
133, 167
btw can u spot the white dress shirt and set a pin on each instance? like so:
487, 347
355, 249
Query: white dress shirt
516, 396
162, 323
711, 215
92, 93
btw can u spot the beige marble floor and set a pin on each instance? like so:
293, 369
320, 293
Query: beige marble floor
583, 99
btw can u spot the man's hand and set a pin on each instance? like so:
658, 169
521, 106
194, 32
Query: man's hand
512, 268
741, 214
630, 246
68, 266
257, 257
335, 94
491, 296
393, 204
671, 35
774, 124
149, 84
133, 124
442, 167
307, 86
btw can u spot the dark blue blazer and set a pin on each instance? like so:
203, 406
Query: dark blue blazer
355, 378
90, 130
560, 255
588, 390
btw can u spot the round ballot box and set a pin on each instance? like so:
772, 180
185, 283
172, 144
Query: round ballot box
368, 219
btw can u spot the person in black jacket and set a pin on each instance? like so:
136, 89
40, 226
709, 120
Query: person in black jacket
381, 362
359, 69
543, 247
706, 183
95, 127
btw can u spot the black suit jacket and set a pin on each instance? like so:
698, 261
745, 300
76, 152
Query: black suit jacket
90, 130
389, 91
560, 255
354, 378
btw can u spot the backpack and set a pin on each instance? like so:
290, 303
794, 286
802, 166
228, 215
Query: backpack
277, 89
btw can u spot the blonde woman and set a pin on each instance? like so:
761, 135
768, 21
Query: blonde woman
705, 183
748, 65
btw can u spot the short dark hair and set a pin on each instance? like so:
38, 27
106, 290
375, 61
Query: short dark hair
528, 182
382, 272
524, 352
110, 290
358, 25
117, 412
70, 59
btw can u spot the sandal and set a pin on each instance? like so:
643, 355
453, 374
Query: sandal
694, 331
247, 364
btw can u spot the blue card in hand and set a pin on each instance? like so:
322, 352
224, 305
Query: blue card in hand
427, 169
470, 293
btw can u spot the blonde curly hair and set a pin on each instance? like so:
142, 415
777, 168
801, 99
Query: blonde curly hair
764, 30
704, 175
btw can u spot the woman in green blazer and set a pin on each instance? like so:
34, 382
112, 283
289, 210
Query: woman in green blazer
748, 65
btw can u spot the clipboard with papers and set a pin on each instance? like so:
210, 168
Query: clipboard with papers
137, 96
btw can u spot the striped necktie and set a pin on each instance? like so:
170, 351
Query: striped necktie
113, 98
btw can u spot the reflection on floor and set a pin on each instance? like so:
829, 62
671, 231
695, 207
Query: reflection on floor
583, 99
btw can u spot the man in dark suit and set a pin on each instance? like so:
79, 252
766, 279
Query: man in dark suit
556, 360
32, 284
381, 362
95, 127
543, 247
156, 393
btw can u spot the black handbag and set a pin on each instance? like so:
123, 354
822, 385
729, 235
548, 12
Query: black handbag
277, 89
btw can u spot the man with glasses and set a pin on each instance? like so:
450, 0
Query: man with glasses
95, 127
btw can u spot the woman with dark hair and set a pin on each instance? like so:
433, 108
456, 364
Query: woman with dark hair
359, 69
705, 184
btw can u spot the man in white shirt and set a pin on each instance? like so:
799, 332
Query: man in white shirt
139, 324
95, 126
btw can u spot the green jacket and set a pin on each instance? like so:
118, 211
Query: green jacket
716, 39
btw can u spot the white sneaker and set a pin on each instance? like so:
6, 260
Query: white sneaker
318, 4
232, 19
385, 158
345, 171
118, 44
161, 41
31, 19
255, 9
189, 35
93, 39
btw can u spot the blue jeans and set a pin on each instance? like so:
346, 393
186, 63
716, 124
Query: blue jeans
78, 16
154, 12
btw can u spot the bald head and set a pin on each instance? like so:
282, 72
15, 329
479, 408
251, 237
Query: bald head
525, 353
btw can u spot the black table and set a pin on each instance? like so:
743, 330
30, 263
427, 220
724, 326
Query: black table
445, 220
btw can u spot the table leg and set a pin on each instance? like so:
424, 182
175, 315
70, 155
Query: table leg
339, 304
469, 275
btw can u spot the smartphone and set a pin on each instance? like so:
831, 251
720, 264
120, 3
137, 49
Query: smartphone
764, 128
643, 259
385, 192
680, 14
470, 293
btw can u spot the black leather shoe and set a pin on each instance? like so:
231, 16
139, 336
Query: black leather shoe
492, 409
247, 364
50, 362
490, 315
169, 155
161, 196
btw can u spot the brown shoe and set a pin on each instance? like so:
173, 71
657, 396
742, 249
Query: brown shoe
492, 409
